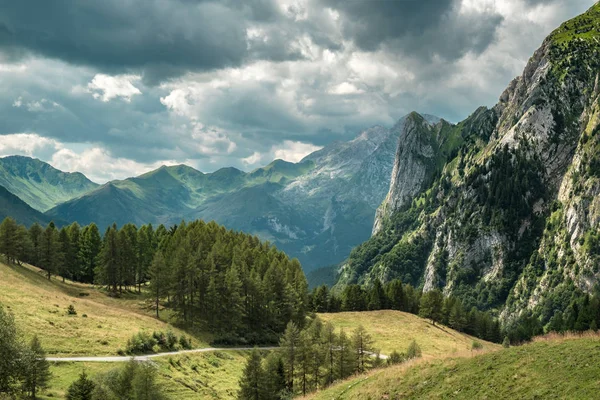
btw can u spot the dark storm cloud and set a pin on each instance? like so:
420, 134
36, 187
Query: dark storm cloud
159, 37
418, 27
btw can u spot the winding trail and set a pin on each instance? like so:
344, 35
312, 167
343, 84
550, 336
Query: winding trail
112, 359
148, 357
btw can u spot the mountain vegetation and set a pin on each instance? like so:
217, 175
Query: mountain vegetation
553, 367
508, 222
39, 184
14, 207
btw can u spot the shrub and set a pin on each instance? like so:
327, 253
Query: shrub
171, 340
476, 345
185, 343
395, 358
71, 310
506, 342
413, 351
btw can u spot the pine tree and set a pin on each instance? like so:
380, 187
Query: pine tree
36, 369
81, 389
89, 250
10, 353
50, 255
431, 305
275, 385
64, 243
158, 279
252, 383
362, 344
107, 271
289, 344
35, 235
331, 347
395, 295
9, 240
377, 298
345, 356
143, 384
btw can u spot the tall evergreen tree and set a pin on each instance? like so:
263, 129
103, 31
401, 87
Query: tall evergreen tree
36, 369
252, 383
50, 254
158, 279
9, 245
431, 306
89, 251
290, 342
362, 344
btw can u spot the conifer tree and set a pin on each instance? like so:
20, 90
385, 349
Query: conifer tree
158, 279
345, 356
50, 255
9, 245
363, 348
252, 383
431, 306
35, 235
81, 389
90, 247
36, 369
290, 342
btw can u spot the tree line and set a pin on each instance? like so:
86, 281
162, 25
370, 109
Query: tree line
230, 283
394, 295
308, 359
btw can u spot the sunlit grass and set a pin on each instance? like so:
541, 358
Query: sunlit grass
394, 330
102, 325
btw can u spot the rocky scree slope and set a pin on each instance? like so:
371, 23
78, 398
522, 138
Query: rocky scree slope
511, 222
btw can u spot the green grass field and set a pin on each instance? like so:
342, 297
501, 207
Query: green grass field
187, 376
394, 330
40, 307
550, 368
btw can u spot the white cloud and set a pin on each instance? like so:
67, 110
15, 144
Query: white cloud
253, 159
345, 88
106, 88
294, 151
27, 144
98, 165
42, 105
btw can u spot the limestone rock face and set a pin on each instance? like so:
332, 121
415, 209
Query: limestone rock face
503, 209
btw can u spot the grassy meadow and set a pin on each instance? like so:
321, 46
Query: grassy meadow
394, 330
553, 367
102, 325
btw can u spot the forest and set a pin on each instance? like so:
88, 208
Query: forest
227, 282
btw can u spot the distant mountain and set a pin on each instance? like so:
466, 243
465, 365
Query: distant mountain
39, 184
316, 210
12, 206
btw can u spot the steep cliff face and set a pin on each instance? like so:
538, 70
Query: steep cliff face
418, 158
512, 221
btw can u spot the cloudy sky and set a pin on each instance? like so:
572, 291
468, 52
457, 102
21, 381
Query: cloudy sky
115, 88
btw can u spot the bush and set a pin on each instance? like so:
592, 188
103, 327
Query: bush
476, 345
71, 310
171, 340
185, 343
144, 343
506, 342
395, 358
413, 351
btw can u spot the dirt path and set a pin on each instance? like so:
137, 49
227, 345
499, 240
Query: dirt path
150, 356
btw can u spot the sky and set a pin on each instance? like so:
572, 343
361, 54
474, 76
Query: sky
116, 88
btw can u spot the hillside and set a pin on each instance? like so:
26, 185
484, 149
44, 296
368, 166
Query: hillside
39, 184
12, 206
394, 330
40, 306
555, 368
510, 221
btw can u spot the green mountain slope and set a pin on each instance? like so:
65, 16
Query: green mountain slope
512, 220
547, 369
12, 206
39, 184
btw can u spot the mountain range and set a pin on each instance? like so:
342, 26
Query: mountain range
503, 209
316, 210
